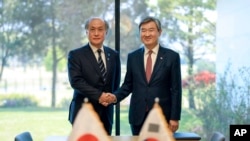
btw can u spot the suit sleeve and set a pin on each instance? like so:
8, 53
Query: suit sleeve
126, 87
176, 89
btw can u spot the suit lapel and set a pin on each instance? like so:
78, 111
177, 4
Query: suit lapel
91, 57
108, 60
141, 63
158, 62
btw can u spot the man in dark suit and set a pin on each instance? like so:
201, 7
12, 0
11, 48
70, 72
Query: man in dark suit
152, 71
88, 78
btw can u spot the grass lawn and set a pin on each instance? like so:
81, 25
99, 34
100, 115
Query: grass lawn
43, 122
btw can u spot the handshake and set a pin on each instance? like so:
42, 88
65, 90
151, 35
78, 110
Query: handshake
107, 98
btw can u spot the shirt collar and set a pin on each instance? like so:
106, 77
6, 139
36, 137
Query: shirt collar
94, 49
155, 49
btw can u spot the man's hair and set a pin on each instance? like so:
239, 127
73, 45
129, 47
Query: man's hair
93, 18
151, 19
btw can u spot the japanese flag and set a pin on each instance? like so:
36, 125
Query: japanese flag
87, 126
155, 127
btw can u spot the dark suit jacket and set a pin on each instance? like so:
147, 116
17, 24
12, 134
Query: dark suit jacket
85, 78
165, 84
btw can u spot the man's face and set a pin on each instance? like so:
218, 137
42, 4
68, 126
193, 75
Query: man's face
149, 34
96, 32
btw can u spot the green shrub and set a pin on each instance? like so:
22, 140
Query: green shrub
226, 103
18, 100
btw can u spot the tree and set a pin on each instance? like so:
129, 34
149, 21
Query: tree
22, 28
188, 26
33, 15
9, 38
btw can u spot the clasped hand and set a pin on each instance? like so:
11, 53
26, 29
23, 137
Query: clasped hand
107, 98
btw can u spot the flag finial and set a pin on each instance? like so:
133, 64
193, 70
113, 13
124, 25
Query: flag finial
155, 127
157, 100
86, 100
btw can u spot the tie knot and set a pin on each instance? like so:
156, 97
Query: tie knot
99, 51
150, 52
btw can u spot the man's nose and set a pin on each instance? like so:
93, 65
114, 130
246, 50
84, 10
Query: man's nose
96, 32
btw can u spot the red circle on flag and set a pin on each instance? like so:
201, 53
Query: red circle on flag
87, 137
151, 139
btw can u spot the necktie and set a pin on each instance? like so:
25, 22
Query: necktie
101, 65
149, 65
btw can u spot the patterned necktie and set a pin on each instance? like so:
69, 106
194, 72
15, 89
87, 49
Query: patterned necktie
101, 65
149, 65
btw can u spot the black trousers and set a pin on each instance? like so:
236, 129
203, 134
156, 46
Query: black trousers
106, 123
135, 129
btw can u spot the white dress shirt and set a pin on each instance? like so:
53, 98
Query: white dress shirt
153, 56
94, 49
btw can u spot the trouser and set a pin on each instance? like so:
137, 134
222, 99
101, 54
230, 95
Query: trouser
135, 129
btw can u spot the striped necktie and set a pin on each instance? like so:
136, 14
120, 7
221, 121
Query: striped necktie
101, 65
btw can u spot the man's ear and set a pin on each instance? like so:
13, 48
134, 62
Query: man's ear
160, 31
107, 34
